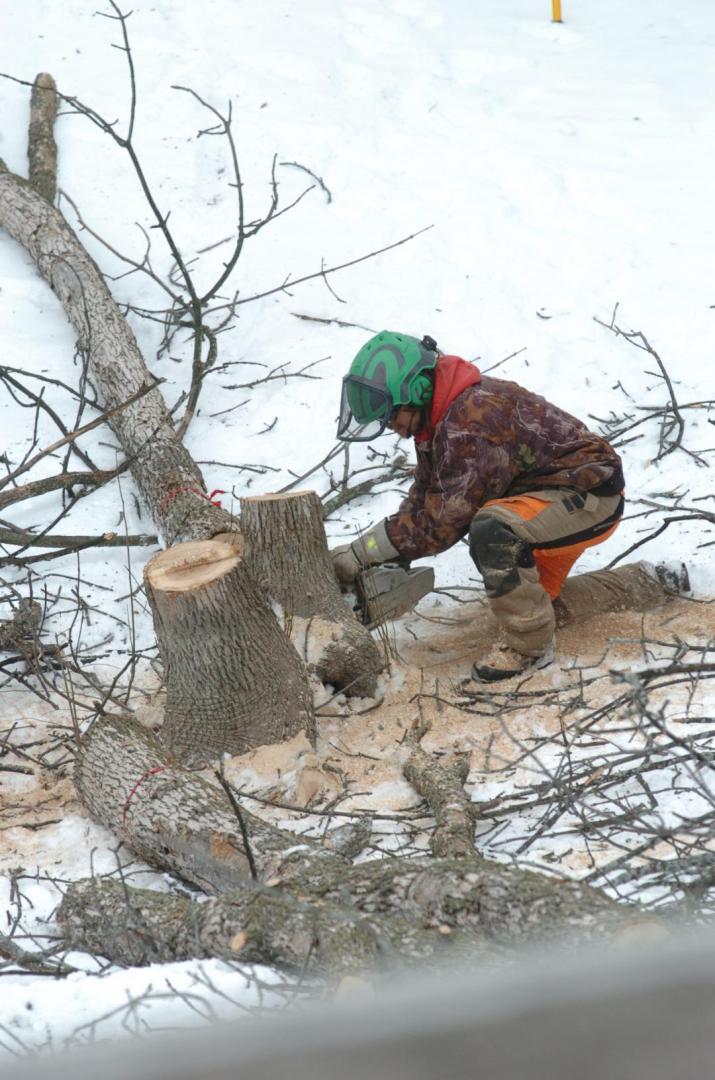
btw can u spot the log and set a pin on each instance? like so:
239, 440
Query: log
508, 906
233, 679
442, 785
167, 477
286, 549
177, 820
626, 588
252, 925
397, 910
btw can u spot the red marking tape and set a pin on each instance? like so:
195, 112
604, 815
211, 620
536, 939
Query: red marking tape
130, 796
194, 491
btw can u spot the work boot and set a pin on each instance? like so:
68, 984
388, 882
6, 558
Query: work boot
673, 576
503, 662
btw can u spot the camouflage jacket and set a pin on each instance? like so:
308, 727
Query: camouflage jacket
494, 440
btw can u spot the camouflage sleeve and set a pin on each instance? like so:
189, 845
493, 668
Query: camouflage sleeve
466, 472
415, 497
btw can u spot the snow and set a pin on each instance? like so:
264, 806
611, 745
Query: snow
559, 170
38, 1015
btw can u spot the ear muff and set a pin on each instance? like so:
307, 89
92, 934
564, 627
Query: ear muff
421, 391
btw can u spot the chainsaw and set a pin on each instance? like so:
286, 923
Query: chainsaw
386, 591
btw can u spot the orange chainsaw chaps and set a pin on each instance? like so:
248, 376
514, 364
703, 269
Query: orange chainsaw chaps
554, 564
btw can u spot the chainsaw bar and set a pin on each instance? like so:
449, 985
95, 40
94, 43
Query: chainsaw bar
386, 591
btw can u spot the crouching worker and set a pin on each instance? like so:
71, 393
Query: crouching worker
529, 484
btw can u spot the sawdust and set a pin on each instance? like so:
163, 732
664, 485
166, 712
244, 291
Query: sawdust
361, 743
311, 638
360, 751
35, 800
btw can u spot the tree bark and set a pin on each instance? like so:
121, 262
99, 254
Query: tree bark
506, 905
233, 679
175, 819
442, 785
287, 552
167, 477
249, 925
42, 148
398, 909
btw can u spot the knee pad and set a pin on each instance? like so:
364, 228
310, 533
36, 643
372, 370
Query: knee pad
498, 554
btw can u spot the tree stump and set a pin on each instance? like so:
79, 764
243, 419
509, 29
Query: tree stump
287, 552
233, 679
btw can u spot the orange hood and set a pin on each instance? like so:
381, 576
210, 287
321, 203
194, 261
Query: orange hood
452, 376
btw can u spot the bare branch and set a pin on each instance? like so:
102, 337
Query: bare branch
71, 436
42, 148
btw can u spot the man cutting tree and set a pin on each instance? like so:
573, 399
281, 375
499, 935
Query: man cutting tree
529, 484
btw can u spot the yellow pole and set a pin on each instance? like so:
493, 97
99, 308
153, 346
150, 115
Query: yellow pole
556, 8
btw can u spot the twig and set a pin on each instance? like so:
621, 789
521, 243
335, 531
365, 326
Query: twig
219, 774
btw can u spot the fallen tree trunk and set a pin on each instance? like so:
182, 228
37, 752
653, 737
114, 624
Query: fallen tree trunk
250, 925
286, 550
233, 679
179, 822
176, 819
165, 473
398, 910
626, 588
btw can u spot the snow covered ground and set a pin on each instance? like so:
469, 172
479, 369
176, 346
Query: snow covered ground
559, 170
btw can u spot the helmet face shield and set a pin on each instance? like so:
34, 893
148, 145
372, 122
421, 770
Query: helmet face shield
365, 409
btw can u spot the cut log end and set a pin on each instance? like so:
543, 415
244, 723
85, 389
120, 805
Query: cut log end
283, 497
190, 565
44, 81
234, 538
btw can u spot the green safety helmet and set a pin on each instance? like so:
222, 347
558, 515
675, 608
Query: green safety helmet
389, 371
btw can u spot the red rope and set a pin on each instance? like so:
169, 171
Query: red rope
194, 491
142, 778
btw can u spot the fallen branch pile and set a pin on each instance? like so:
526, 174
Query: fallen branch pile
628, 774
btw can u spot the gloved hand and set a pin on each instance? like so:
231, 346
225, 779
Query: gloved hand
370, 549
345, 564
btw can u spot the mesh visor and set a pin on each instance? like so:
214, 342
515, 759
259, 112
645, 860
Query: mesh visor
365, 408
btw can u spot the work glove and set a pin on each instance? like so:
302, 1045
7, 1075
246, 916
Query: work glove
345, 564
370, 549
